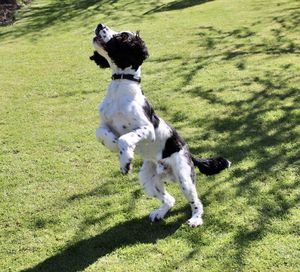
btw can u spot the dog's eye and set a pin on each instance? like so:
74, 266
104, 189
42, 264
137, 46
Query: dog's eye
124, 35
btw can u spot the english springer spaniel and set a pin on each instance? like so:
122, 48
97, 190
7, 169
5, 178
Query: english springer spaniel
129, 124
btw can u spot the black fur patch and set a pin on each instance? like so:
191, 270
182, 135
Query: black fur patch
99, 60
149, 112
174, 144
211, 166
126, 49
127, 167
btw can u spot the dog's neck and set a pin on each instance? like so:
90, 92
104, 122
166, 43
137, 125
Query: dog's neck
136, 74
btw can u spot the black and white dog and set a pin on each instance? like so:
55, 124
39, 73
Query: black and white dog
129, 124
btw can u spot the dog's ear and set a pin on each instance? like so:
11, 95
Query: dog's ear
99, 60
140, 50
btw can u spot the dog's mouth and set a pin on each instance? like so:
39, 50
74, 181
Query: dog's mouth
98, 38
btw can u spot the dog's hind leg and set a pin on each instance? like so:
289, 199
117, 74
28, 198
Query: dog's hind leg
184, 173
105, 136
154, 186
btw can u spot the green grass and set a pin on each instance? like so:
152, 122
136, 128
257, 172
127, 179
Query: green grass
224, 73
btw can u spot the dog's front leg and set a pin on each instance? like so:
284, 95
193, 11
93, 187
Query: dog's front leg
105, 136
128, 142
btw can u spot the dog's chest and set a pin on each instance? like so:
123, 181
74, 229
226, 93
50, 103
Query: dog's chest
118, 112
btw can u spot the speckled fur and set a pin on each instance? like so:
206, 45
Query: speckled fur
129, 125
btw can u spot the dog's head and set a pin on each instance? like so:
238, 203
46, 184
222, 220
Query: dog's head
123, 49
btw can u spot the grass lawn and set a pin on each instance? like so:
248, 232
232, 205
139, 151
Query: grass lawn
225, 73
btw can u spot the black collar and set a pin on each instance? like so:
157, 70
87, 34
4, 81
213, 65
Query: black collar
126, 76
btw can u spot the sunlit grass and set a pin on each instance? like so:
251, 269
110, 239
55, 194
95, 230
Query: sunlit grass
224, 73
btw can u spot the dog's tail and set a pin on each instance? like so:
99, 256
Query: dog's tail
211, 166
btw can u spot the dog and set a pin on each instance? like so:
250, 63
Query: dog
129, 124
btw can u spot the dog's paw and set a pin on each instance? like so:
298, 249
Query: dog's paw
195, 222
125, 162
125, 169
157, 215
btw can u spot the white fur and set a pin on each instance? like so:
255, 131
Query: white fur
125, 128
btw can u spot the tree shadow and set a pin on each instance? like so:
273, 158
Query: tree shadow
40, 17
258, 131
80, 255
246, 236
240, 43
271, 146
260, 127
176, 5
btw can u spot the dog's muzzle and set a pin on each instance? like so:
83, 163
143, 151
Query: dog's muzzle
98, 29
104, 33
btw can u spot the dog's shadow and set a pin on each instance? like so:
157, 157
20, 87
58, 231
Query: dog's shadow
82, 254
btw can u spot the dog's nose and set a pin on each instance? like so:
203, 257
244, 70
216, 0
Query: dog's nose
99, 28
